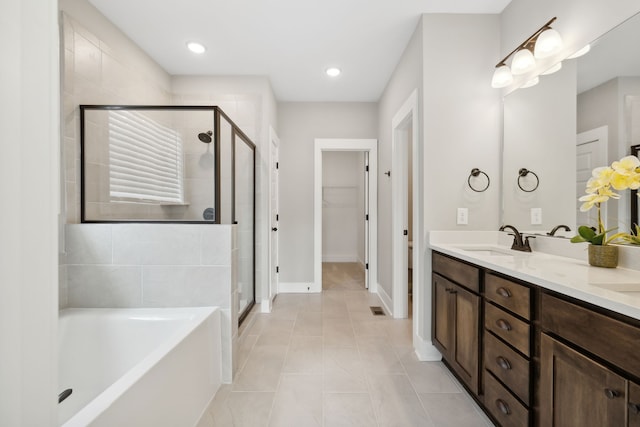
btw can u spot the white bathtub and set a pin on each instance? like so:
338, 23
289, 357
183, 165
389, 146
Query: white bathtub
138, 367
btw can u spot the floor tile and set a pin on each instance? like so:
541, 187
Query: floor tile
244, 409
298, 401
348, 410
452, 410
304, 356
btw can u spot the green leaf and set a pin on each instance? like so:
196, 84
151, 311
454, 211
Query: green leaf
577, 239
586, 233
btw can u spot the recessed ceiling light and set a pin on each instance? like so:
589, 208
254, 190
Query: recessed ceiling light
196, 47
333, 72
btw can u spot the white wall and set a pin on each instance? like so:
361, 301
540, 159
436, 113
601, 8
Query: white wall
540, 135
342, 209
298, 125
406, 78
29, 187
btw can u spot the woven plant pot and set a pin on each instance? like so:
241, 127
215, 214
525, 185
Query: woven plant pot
603, 256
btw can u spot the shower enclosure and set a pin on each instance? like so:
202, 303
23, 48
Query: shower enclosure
185, 164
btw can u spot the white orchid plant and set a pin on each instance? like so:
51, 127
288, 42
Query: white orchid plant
621, 175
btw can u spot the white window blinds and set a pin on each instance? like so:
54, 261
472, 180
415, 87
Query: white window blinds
145, 159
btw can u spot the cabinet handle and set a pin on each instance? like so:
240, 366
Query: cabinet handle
610, 393
634, 408
503, 363
503, 407
503, 292
503, 324
453, 291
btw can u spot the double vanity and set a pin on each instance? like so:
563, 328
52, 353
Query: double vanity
538, 338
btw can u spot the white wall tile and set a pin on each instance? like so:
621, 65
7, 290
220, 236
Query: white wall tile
154, 244
88, 244
179, 286
104, 286
216, 244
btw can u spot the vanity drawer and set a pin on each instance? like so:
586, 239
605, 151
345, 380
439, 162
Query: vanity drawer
508, 294
508, 327
613, 340
461, 273
507, 365
503, 406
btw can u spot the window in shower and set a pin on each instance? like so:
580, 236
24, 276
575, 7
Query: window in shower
150, 164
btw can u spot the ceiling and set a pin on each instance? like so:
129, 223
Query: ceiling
292, 42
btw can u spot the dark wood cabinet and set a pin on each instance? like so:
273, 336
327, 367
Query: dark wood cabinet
577, 391
456, 320
531, 356
456, 317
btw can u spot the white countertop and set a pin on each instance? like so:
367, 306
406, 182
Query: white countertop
616, 289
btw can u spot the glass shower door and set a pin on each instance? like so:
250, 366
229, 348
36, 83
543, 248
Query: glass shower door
244, 217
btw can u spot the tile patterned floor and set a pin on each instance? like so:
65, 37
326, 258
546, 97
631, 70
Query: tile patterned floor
325, 360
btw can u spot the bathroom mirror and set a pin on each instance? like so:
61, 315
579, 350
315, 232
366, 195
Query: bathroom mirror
149, 163
583, 116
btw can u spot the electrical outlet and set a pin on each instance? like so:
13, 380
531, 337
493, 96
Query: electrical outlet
536, 216
463, 216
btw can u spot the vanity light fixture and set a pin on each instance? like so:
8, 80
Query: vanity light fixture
581, 52
333, 72
534, 81
543, 43
553, 69
196, 47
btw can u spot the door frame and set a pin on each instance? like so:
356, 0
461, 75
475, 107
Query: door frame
407, 113
600, 134
272, 288
364, 145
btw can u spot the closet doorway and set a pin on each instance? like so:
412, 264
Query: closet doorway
334, 197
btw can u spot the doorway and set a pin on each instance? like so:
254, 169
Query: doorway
274, 218
406, 204
368, 149
591, 152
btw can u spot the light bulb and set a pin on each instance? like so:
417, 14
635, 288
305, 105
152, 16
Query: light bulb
534, 81
553, 69
502, 77
196, 47
547, 43
581, 52
523, 61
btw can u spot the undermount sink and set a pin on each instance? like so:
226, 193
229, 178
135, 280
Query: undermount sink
486, 251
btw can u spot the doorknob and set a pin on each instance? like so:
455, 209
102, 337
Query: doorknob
274, 229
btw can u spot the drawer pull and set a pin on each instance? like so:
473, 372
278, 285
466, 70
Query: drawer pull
634, 408
503, 292
503, 407
503, 363
503, 324
611, 394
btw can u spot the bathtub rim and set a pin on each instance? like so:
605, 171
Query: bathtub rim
106, 398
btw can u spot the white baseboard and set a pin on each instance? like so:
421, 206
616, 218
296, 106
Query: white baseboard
340, 258
425, 351
386, 300
296, 288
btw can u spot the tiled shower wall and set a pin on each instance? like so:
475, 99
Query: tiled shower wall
154, 265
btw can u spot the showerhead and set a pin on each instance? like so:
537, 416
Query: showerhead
205, 137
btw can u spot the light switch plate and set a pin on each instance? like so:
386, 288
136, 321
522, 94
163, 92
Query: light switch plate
536, 216
463, 216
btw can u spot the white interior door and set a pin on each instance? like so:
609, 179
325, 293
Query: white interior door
591, 152
366, 219
274, 220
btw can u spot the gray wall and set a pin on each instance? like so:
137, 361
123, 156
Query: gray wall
298, 126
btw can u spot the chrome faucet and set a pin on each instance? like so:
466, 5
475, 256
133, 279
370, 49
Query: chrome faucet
518, 243
556, 228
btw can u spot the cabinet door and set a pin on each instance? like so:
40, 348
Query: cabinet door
442, 315
634, 405
576, 391
464, 359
